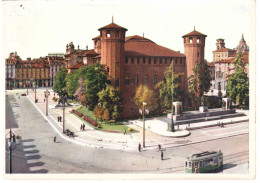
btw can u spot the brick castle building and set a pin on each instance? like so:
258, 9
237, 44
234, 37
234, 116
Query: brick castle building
134, 60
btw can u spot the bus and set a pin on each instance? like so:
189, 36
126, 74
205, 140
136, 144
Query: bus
204, 162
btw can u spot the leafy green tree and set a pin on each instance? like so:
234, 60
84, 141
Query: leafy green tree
238, 83
110, 99
200, 81
95, 80
59, 82
72, 83
169, 88
144, 94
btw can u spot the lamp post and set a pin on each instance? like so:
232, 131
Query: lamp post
12, 143
172, 127
143, 111
46, 93
35, 92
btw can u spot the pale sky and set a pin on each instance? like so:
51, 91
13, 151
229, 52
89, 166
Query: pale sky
36, 28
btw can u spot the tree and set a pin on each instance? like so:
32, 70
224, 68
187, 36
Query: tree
200, 81
79, 93
72, 83
95, 80
238, 83
144, 94
98, 112
110, 98
169, 88
59, 81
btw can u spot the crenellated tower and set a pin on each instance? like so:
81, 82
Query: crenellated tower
112, 38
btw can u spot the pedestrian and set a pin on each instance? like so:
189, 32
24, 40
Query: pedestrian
58, 118
80, 127
161, 155
159, 147
83, 126
54, 94
139, 147
125, 132
222, 125
54, 139
44, 100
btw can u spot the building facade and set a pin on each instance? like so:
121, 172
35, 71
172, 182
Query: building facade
134, 60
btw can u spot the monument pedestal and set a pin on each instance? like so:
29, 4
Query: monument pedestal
203, 109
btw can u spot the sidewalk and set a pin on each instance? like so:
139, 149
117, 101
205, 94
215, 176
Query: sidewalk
155, 128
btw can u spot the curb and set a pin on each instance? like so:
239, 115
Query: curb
228, 123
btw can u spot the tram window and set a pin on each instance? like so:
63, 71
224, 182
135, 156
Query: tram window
196, 164
201, 164
186, 164
215, 160
189, 164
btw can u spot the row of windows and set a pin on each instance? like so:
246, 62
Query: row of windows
154, 60
135, 80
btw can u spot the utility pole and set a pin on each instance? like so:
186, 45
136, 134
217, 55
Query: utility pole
10, 152
35, 93
144, 124
172, 101
46, 96
63, 108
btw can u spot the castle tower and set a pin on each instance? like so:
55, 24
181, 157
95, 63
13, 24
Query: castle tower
113, 51
194, 46
220, 43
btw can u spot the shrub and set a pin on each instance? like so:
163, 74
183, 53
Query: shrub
77, 113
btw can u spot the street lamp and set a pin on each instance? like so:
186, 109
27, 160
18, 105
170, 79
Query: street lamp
12, 143
172, 126
46, 94
143, 112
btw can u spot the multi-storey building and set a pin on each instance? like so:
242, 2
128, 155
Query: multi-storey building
225, 66
27, 73
134, 60
56, 62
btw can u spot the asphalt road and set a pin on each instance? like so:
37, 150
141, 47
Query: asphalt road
37, 153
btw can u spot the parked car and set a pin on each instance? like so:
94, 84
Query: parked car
23, 94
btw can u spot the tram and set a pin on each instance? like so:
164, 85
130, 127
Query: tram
204, 162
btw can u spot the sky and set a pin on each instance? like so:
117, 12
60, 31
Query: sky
36, 28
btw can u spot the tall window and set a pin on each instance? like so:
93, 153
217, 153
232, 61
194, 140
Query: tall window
160, 60
138, 60
143, 60
198, 54
176, 61
117, 82
165, 61
136, 80
117, 33
146, 80
132, 60
155, 79
108, 33
126, 60
155, 60
149, 61
127, 80
117, 64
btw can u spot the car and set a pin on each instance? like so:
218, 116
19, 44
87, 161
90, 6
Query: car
23, 94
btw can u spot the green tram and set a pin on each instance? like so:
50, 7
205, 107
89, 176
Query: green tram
204, 162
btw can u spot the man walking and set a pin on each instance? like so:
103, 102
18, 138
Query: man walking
83, 126
54, 139
161, 155
139, 147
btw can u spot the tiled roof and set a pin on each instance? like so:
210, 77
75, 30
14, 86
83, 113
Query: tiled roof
232, 59
194, 33
223, 50
140, 46
89, 53
112, 26
98, 37
211, 64
77, 66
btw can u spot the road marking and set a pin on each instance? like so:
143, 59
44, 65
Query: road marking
206, 131
232, 132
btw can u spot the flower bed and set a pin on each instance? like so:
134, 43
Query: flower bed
90, 120
114, 131
77, 113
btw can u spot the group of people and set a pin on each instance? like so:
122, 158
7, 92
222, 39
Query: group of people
59, 119
159, 147
221, 125
82, 127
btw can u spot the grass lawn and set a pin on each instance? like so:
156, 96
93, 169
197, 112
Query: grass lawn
118, 127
